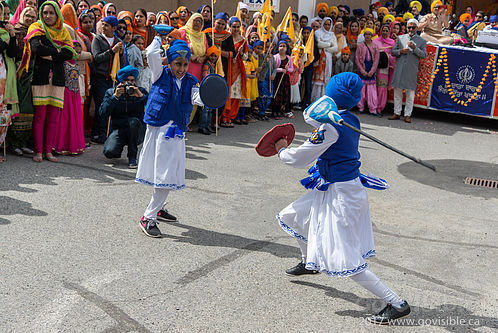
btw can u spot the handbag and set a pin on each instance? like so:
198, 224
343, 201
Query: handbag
383, 60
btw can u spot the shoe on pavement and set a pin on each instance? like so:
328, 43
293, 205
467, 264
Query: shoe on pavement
390, 313
149, 227
163, 215
394, 117
300, 269
408, 119
204, 131
378, 115
132, 163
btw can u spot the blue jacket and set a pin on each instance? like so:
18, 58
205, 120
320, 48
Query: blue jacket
167, 102
341, 162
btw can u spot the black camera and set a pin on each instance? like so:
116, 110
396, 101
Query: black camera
129, 88
3, 23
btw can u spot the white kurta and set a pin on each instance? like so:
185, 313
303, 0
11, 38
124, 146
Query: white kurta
335, 223
162, 160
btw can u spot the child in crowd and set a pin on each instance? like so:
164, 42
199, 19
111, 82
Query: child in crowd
139, 41
135, 58
209, 67
162, 159
144, 79
295, 77
344, 64
284, 65
245, 103
266, 74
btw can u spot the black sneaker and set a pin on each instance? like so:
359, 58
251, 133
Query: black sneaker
163, 215
132, 163
388, 314
149, 227
300, 269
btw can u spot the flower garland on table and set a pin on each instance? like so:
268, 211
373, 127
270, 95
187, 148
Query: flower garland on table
443, 60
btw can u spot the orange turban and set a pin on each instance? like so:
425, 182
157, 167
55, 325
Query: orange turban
322, 5
129, 27
464, 16
213, 49
383, 10
434, 3
346, 50
175, 34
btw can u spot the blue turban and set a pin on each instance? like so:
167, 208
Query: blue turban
111, 20
233, 19
258, 43
221, 16
126, 71
178, 48
308, 28
358, 12
493, 19
347, 8
388, 4
284, 37
345, 89
201, 8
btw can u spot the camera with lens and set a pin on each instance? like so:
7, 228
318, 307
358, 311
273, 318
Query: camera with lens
129, 88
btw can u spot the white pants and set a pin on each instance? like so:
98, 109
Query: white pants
398, 101
156, 203
368, 280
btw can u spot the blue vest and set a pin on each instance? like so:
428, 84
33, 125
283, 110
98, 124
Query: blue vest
341, 162
166, 102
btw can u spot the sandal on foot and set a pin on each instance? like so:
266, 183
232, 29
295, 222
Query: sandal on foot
37, 158
51, 158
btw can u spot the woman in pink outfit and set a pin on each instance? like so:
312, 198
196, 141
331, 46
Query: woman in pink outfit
384, 75
367, 60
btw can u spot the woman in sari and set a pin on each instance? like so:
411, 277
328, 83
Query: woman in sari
82, 6
22, 5
384, 75
341, 40
238, 78
162, 18
49, 45
432, 25
224, 41
476, 26
183, 14
352, 39
70, 138
140, 27
367, 60
174, 19
206, 12
197, 41
85, 25
108, 10
327, 44
151, 18
8, 84
126, 15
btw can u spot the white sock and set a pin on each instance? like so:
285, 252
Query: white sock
368, 280
156, 203
304, 250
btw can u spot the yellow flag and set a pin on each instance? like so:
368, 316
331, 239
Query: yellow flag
237, 14
116, 66
266, 9
266, 31
287, 26
309, 49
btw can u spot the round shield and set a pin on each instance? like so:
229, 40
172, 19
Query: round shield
214, 91
163, 29
266, 146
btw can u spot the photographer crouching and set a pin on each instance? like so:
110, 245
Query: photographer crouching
125, 104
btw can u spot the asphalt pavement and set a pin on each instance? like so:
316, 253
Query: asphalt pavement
74, 260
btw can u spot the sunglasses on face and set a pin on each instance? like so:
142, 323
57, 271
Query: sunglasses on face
479, 16
122, 28
174, 18
412, 27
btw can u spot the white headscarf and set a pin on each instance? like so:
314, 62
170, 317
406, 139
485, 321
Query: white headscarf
326, 36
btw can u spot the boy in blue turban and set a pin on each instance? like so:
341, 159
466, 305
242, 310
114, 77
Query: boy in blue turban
331, 223
162, 159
